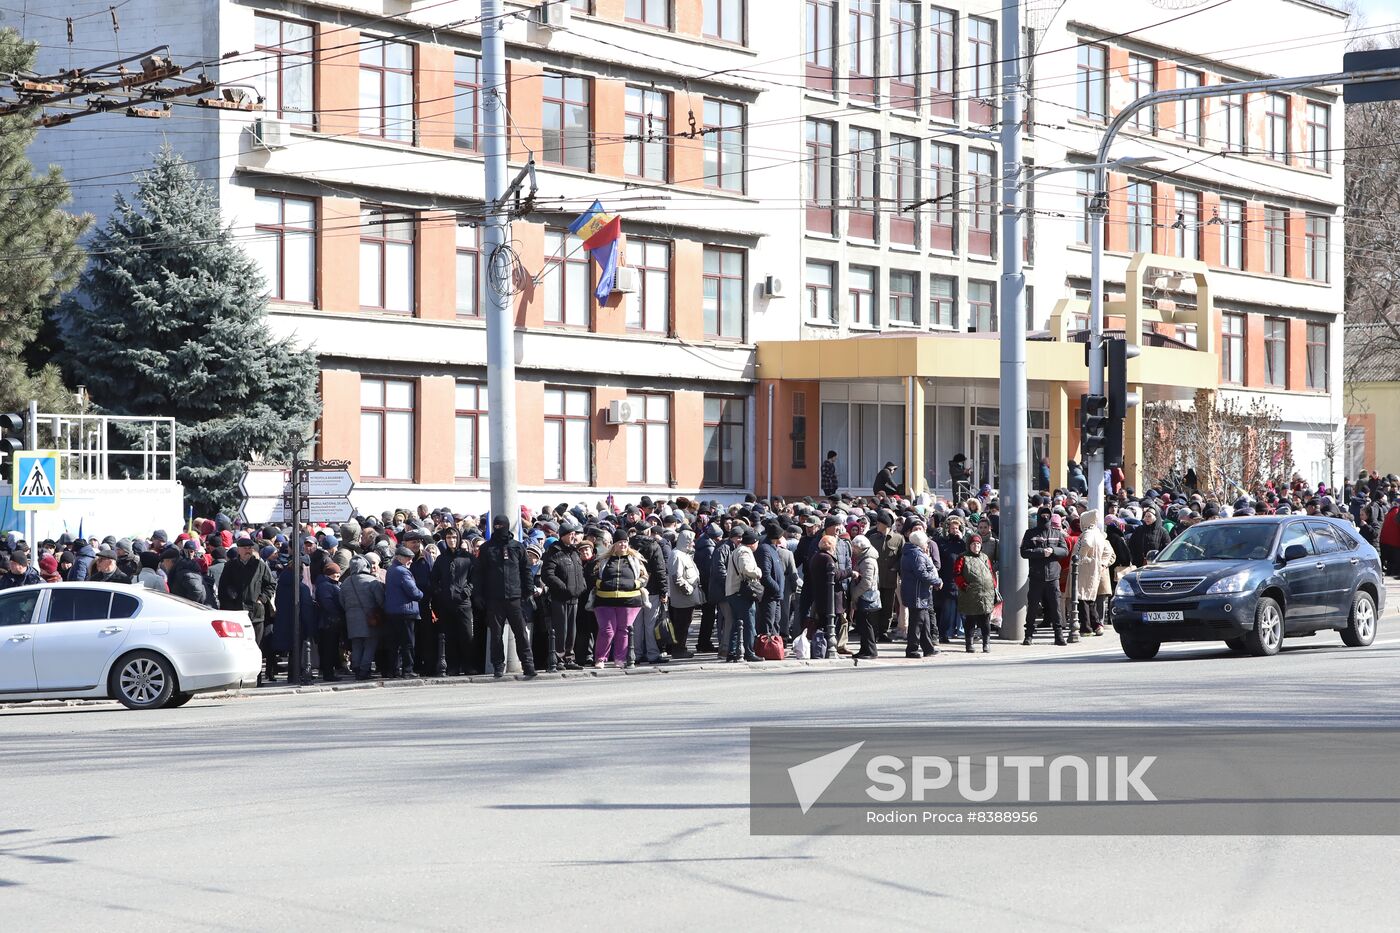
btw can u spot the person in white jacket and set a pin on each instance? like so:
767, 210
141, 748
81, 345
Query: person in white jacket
683, 592
1091, 560
740, 584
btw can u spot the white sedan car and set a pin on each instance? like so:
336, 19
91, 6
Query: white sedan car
146, 649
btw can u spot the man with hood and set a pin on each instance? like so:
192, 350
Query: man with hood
1044, 546
561, 573
1149, 536
1092, 561
83, 556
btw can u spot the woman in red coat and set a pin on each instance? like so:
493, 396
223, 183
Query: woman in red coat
1390, 541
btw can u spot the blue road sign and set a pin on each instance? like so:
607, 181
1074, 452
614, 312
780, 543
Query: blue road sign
35, 480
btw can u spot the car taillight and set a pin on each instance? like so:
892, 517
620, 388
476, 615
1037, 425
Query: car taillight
226, 629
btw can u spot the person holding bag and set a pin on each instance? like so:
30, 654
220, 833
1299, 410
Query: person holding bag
743, 585
619, 587
866, 595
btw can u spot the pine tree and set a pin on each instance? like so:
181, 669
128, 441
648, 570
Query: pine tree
170, 320
38, 246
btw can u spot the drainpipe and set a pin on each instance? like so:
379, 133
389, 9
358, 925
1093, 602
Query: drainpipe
772, 388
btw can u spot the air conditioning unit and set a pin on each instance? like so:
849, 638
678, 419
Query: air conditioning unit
625, 281
772, 287
552, 15
272, 133
620, 411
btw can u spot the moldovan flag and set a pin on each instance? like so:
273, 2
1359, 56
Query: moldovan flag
600, 233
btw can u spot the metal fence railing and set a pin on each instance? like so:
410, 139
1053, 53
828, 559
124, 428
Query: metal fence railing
94, 447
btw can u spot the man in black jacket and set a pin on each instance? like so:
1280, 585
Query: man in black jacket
884, 481
503, 579
770, 568
1149, 536
705, 545
889, 546
104, 569
248, 585
1044, 546
561, 572
186, 578
451, 580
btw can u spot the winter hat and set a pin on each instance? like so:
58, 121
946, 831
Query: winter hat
48, 564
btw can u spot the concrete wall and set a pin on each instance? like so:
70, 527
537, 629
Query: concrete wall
103, 507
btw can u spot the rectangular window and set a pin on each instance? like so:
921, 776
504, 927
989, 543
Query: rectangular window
980, 234
1091, 95
860, 294
1276, 127
943, 301
1139, 217
1276, 352
1276, 240
981, 307
1317, 238
651, 12
567, 281
387, 240
386, 90
1190, 127
1231, 217
864, 155
904, 297
981, 58
649, 440
863, 50
904, 76
724, 19
725, 441
944, 45
466, 103
650, 308
821, 177
1236, 127
473, 432
568, 130
904, 173
285, 247
821, 45
1232, 348
568, 430
944, 209
1317, 357
1319, 128
1187, 225
1142, 76
646, 124
581, 6
387, 429
723, 296
724, 145
468, 271
1084, 194
819, 292
287, 84
799, 430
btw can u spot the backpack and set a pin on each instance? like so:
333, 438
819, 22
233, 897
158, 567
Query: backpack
769, 647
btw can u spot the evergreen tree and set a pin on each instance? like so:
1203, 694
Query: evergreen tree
38, 246
170, 320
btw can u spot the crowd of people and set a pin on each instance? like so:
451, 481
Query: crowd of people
431, 592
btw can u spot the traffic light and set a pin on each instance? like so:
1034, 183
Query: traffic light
11, 434
1092, 422
1119, 351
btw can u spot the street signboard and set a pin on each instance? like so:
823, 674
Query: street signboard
263, 510
326, 509
35, 480
326, 483
1371, 91
265, 482
268, 495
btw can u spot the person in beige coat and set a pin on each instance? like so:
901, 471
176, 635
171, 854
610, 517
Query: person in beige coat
1092, 559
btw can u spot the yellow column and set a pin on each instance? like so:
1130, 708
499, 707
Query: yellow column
914, 435
1132, 444
1059, 436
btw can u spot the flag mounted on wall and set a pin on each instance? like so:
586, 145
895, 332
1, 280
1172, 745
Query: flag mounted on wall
600, 233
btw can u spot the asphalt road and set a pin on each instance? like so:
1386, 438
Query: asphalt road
619, 803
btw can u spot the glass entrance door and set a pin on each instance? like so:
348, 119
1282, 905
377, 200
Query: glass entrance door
986, 455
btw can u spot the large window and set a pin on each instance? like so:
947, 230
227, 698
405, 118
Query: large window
981, 58
1276, 352
864, 157
466, 103
285, 247
1084, 194
1236, 127
1187, 225
904, 173
819, 292
943, 301
1142, 76
1091, 100
1140, 217
568, 135
1317, 238
725, 441
287, 83
904, 76
944, 209
1319, 128
944, 44
568, 430
724, 19
1232, 348
904, 297
651, 12
387, 429
1276, 127
649, 440
980, 233
1276, 240
473, 432
863, 50
650, 308
723, 297
386, 259
1317, 357
1190, 126
981, 307
386, 90
821, 177
1231, 217
567, 281
468, 271
821, 44
724, 145
860, 295
646, 125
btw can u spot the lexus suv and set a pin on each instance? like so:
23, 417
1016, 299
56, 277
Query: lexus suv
1251, 582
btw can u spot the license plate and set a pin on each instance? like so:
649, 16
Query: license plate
1175, 615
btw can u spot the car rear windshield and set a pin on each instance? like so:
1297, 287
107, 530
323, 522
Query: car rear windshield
1221, 540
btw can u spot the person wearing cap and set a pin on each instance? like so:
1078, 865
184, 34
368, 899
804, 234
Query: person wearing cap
884, 484
743, 587
330, 621
561, 573
503, 581
888, 545
451, 589
977, 591
770, 566
104, 568
1043, 546
402, 610
83, 556
19, 572
247, 584
48, 569
425, 633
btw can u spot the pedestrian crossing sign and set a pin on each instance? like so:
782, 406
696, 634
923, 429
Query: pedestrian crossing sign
35, 480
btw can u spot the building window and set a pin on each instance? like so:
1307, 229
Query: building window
724, 19
981, 307
864, 44
821, 177
1191, 127
568, 429
646, 124
945, 44
981, 58
724, 146
725, 441
943, 301
285, 247
649, 440
1276, 127
1317, 237
864, 155
1187, 225
980, 235
904, 297
860, 293
651, 12
1091, 91
468, 271
1142, 75
1319, 128
1317, 357
819, 287
945, 193
1236, 127
1276, 352
473, 432
386, 90
386, 259
799, 430
581, 6
1232, 348
1231, 218
1276, 241
387, 429
650, 308
567, 281
821, 46
568, 132
466, 102
904, 172
288, 87
724, 293
1084, 194
904, 77
1139, 217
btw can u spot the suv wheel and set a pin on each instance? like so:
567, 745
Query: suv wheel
1361, 625
1267, 635
1140, 649
142, 680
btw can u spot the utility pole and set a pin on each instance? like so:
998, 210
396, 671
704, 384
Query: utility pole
1013, 483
